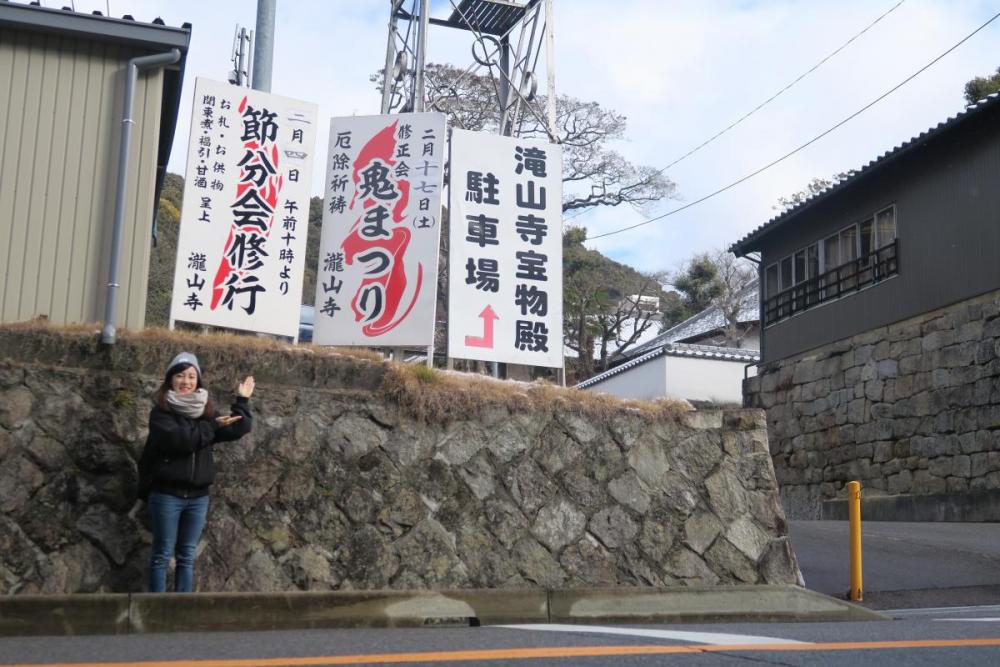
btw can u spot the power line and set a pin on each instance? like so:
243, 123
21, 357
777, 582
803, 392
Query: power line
808, 143
773, 97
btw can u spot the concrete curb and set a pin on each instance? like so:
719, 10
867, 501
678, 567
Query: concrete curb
702, 604
201, 612
972, 506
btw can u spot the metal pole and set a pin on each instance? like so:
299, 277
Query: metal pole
263, 54
550, 67
418, 82
108, 333
854, 511
504, 83
390, 59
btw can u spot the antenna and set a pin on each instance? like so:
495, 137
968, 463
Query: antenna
239, 76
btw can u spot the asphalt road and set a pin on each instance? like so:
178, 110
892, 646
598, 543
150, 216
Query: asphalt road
969, 637
904, 564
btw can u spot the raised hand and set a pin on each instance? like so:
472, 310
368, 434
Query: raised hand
246, 387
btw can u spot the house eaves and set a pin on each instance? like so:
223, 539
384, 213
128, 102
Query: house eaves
749, 243
677, 350
153, 36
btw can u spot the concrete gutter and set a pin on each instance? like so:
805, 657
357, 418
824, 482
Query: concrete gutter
127, 613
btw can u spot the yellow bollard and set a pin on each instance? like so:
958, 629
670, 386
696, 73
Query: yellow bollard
854, 511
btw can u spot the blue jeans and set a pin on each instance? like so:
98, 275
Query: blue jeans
175, 521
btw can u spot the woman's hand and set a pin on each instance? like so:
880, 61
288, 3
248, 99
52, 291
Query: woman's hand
246, 387
226, 421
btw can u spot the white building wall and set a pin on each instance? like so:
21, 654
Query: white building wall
706, 379
645, 381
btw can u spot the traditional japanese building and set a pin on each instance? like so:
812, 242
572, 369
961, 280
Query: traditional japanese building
703, 358
880, 313
63, 75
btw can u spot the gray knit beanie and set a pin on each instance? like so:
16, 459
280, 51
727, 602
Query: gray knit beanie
183, 359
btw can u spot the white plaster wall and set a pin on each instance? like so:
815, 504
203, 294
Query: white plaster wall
706, 379
645, 381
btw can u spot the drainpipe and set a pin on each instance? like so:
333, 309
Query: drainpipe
131, 77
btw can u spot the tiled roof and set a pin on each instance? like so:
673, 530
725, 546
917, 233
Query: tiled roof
744, 245
677, 350
708, 320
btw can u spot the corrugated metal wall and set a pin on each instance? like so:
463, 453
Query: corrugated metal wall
947, 198
60, 126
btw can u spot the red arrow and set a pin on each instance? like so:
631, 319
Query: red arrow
487, 338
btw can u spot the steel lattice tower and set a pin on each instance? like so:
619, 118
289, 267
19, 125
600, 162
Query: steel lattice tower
507, 41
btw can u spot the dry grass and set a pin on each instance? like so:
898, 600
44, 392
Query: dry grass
428, 394
43, 325
442, 395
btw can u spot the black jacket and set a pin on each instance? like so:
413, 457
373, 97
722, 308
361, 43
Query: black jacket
177, 458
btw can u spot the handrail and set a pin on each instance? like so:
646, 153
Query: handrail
838, 281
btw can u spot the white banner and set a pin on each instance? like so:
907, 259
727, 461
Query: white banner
242, 245
376, 283
505, 250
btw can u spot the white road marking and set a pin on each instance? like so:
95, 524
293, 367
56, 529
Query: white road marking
696, 637
931, 611
968, 620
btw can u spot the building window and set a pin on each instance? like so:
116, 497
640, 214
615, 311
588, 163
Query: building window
856, 257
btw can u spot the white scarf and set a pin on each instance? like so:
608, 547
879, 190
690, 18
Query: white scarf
189, 405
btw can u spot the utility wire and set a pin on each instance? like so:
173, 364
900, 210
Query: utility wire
808, 143
773, 97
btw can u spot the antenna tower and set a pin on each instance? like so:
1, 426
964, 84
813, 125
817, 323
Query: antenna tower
507, 40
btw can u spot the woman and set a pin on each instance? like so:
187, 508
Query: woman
177, 469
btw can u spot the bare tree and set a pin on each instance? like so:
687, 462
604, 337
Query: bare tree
631, 315
815, 186
595, 174
607, 306
716, 279
734, 274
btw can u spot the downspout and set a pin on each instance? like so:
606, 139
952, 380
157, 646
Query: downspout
131, 77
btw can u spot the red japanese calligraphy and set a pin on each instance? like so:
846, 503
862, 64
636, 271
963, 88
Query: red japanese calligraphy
380, 301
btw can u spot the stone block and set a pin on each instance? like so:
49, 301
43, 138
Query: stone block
857, 411
874, 390
962, 466
925, 483
910, 364
970, 331
558, 523
935, 340
942, 466
881, 451
628, 490
901, 482
957, 485
613, 527
700, 530
15, 406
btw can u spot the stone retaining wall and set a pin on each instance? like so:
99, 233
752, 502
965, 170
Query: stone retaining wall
912, 408
338, 488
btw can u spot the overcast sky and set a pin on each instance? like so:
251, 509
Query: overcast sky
680, 72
